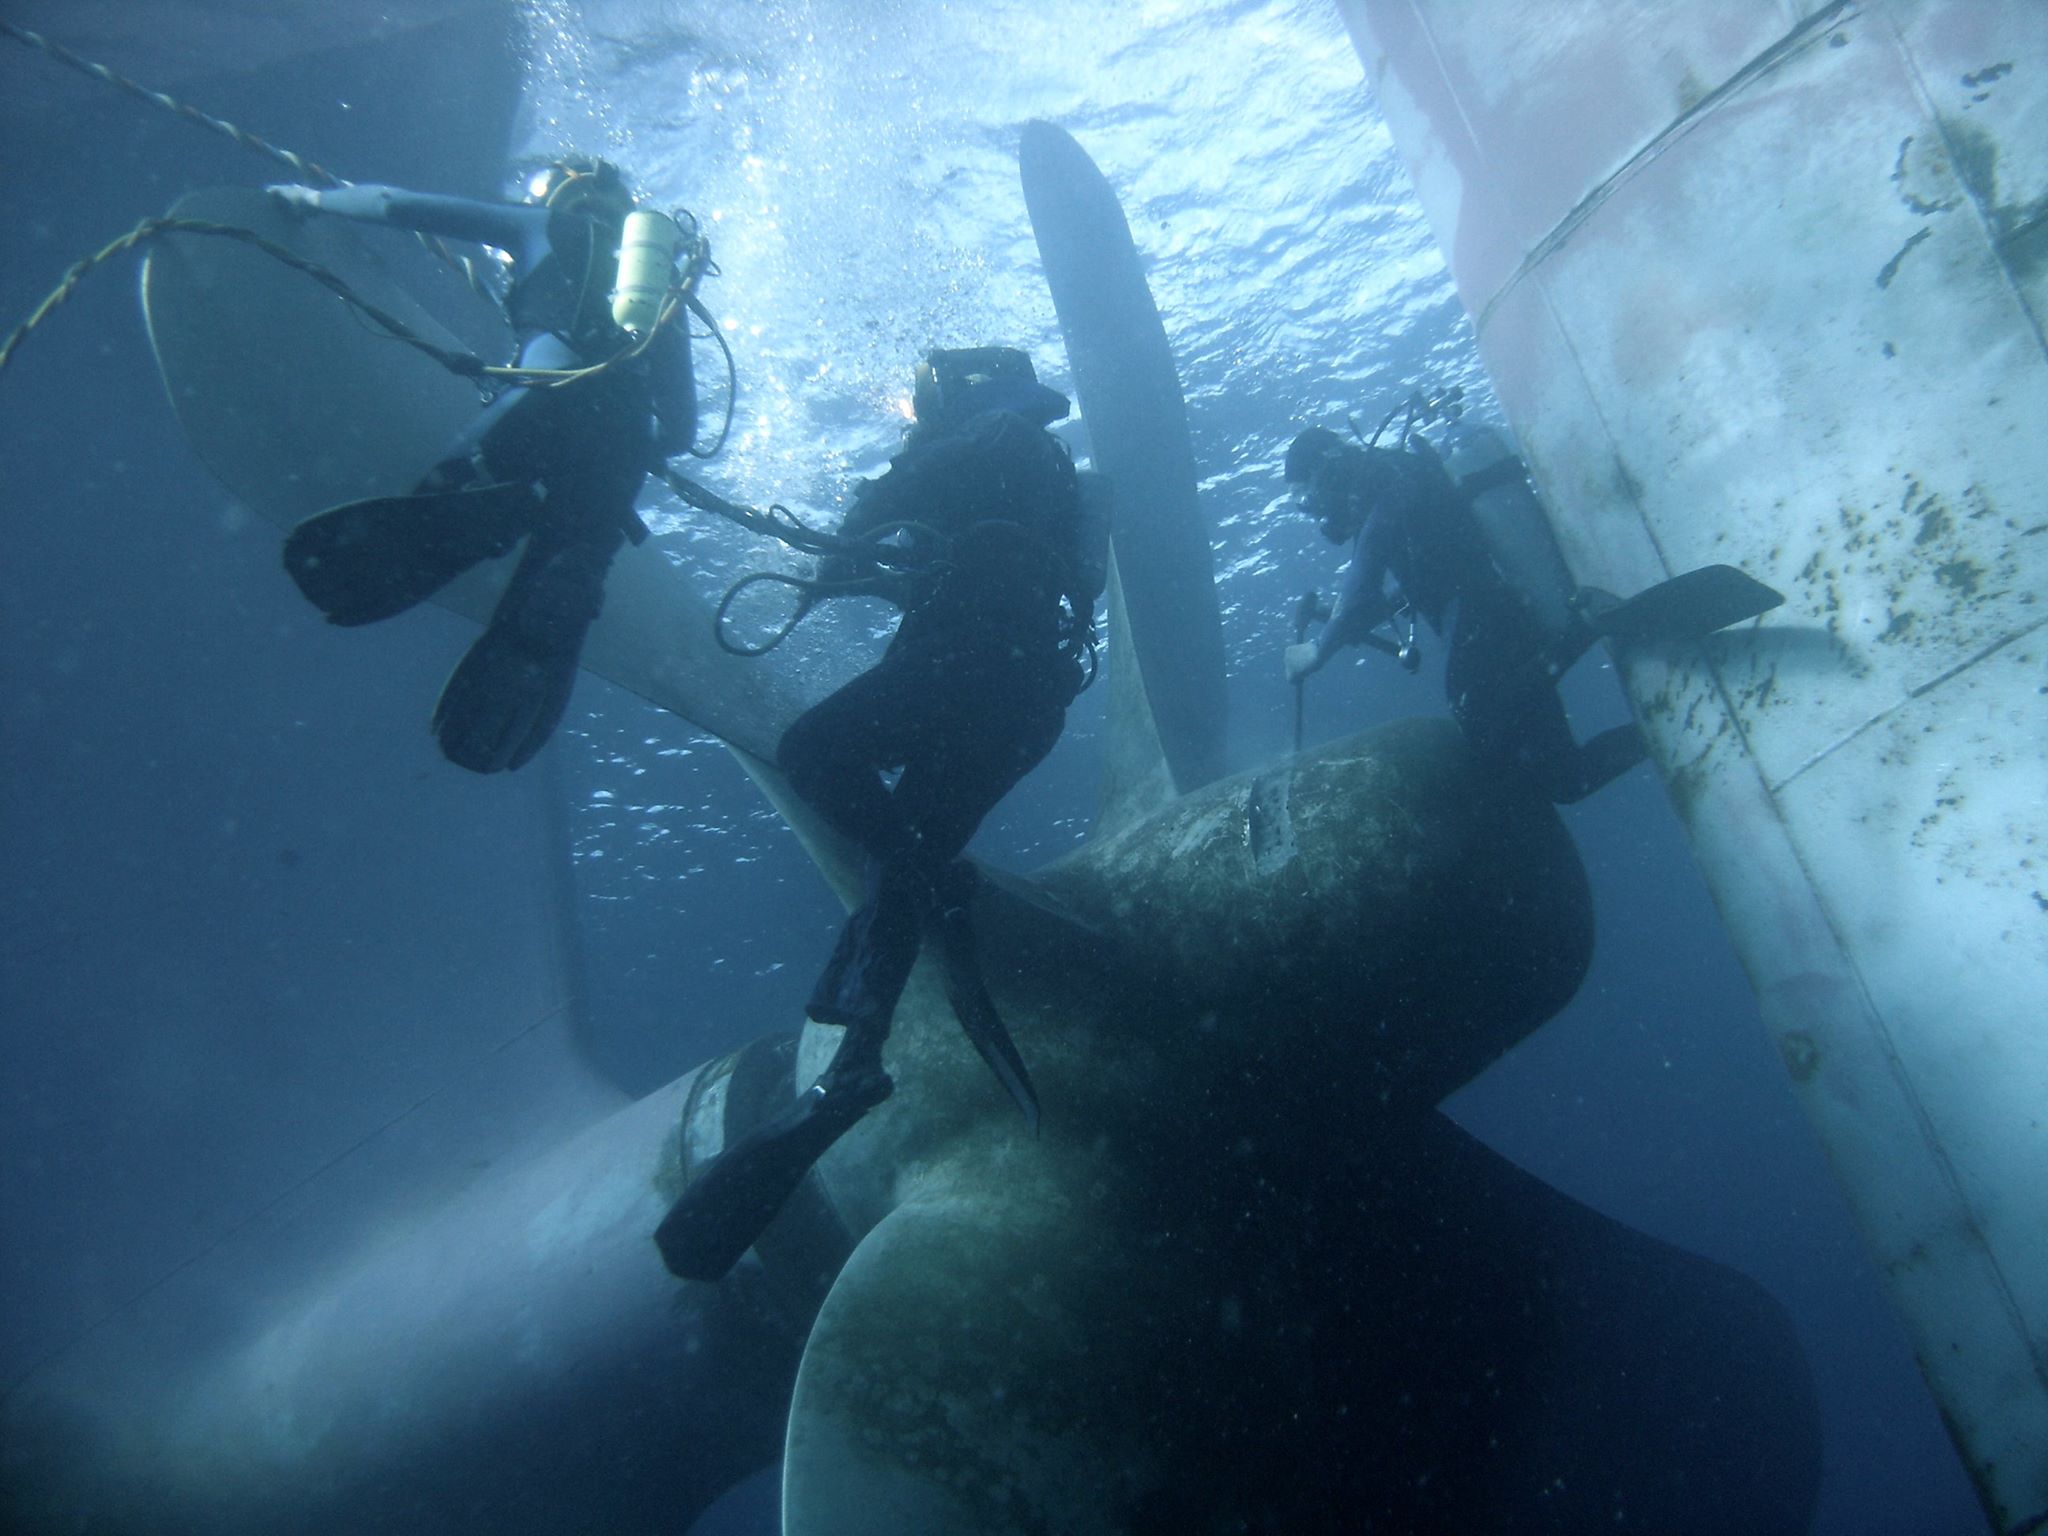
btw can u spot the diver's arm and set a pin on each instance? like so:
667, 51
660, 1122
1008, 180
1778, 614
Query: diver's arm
872, 507
508, 226
1357, 622
1362, 606
889, 511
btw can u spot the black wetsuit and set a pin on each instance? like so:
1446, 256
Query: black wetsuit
1501, 669
971, 694
581, 450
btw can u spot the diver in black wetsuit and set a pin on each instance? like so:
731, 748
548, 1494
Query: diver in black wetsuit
1407, 521
558, 465
970, 695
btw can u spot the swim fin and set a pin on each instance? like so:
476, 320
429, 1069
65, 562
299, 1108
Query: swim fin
502, 702
729, 1205
968, 993
508, 693
1684, 608
368, 560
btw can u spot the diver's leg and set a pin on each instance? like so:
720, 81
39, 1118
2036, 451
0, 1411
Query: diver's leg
836, 751
728, 1205
958, 761
585, 447
945, 797
1504, 699
1508, 706
950, 804
963, 740
1563, 651
463, 461
872, 957
833, 756
1479, 658
988, 728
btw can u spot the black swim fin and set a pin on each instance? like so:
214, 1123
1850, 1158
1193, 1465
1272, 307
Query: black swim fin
730, 1203
1684, 608
507, 695
976, 1011
368, 560
503, 701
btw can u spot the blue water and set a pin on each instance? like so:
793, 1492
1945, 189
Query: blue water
218, 816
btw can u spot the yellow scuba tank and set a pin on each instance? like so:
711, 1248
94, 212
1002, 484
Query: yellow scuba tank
647, 261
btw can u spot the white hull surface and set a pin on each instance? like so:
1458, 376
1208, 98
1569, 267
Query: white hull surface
1765, 283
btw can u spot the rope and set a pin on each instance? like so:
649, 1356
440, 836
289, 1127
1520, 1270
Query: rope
300, 167
811, 592
778, 522
461, 363
870, 550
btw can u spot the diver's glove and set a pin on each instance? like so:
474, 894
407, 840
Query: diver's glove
363, 200
295, 199
1301, 659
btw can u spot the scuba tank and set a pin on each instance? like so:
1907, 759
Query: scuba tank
647, 262
1495, 484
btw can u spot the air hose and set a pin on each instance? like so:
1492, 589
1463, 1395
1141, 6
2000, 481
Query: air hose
881, 565
461, 363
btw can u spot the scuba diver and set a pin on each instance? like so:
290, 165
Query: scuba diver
1409, 523
556, 460
994, 566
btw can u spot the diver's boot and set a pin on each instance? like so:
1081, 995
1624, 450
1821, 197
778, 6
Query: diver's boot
508, 693
368, 560
1686, 607
950, 924
729, 1205
731, 1202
